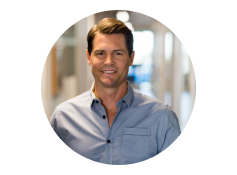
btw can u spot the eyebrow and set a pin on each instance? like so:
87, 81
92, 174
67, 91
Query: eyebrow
113, 50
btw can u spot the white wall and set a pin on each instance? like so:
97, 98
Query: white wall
82, 78
46, 86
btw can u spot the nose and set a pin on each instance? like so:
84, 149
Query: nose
109, 60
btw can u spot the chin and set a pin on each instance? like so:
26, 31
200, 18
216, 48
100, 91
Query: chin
108, 83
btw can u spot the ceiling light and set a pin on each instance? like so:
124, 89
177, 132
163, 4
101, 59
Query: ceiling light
122, 16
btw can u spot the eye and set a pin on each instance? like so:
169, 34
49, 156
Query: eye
118, 53
100, 53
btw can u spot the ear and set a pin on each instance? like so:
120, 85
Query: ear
88, 58
131, 58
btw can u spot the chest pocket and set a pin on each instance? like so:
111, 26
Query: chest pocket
136, 142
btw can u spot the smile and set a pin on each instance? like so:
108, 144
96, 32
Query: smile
109, 71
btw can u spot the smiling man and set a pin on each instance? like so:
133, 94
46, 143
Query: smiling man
110, 61
111, 123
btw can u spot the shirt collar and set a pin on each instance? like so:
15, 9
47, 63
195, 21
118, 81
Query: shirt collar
127, 98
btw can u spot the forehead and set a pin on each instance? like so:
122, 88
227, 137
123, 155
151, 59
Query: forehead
109, 41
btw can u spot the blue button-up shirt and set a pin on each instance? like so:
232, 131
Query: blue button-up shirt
142, 128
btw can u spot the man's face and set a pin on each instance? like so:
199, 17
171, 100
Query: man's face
109, 59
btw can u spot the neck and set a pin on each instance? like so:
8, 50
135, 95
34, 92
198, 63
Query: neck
110, 96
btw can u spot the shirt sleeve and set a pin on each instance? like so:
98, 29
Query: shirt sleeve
54, 122
169, 130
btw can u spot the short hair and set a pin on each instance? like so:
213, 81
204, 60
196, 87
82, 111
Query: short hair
111, 26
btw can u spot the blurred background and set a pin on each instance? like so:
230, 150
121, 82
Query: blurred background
162, 68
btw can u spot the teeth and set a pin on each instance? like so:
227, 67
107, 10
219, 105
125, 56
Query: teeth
109, 72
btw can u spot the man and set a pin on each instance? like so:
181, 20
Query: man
111, 123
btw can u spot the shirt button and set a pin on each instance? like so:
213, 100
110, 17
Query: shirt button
104, 116
108, 141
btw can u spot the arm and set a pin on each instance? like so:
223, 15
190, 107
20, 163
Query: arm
54, 122
169, 130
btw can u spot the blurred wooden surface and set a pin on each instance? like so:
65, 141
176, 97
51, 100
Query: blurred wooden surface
54, 71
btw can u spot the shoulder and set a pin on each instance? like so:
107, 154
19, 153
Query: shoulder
141, 99
156, 108
79, 101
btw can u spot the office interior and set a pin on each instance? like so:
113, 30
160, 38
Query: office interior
162, 67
